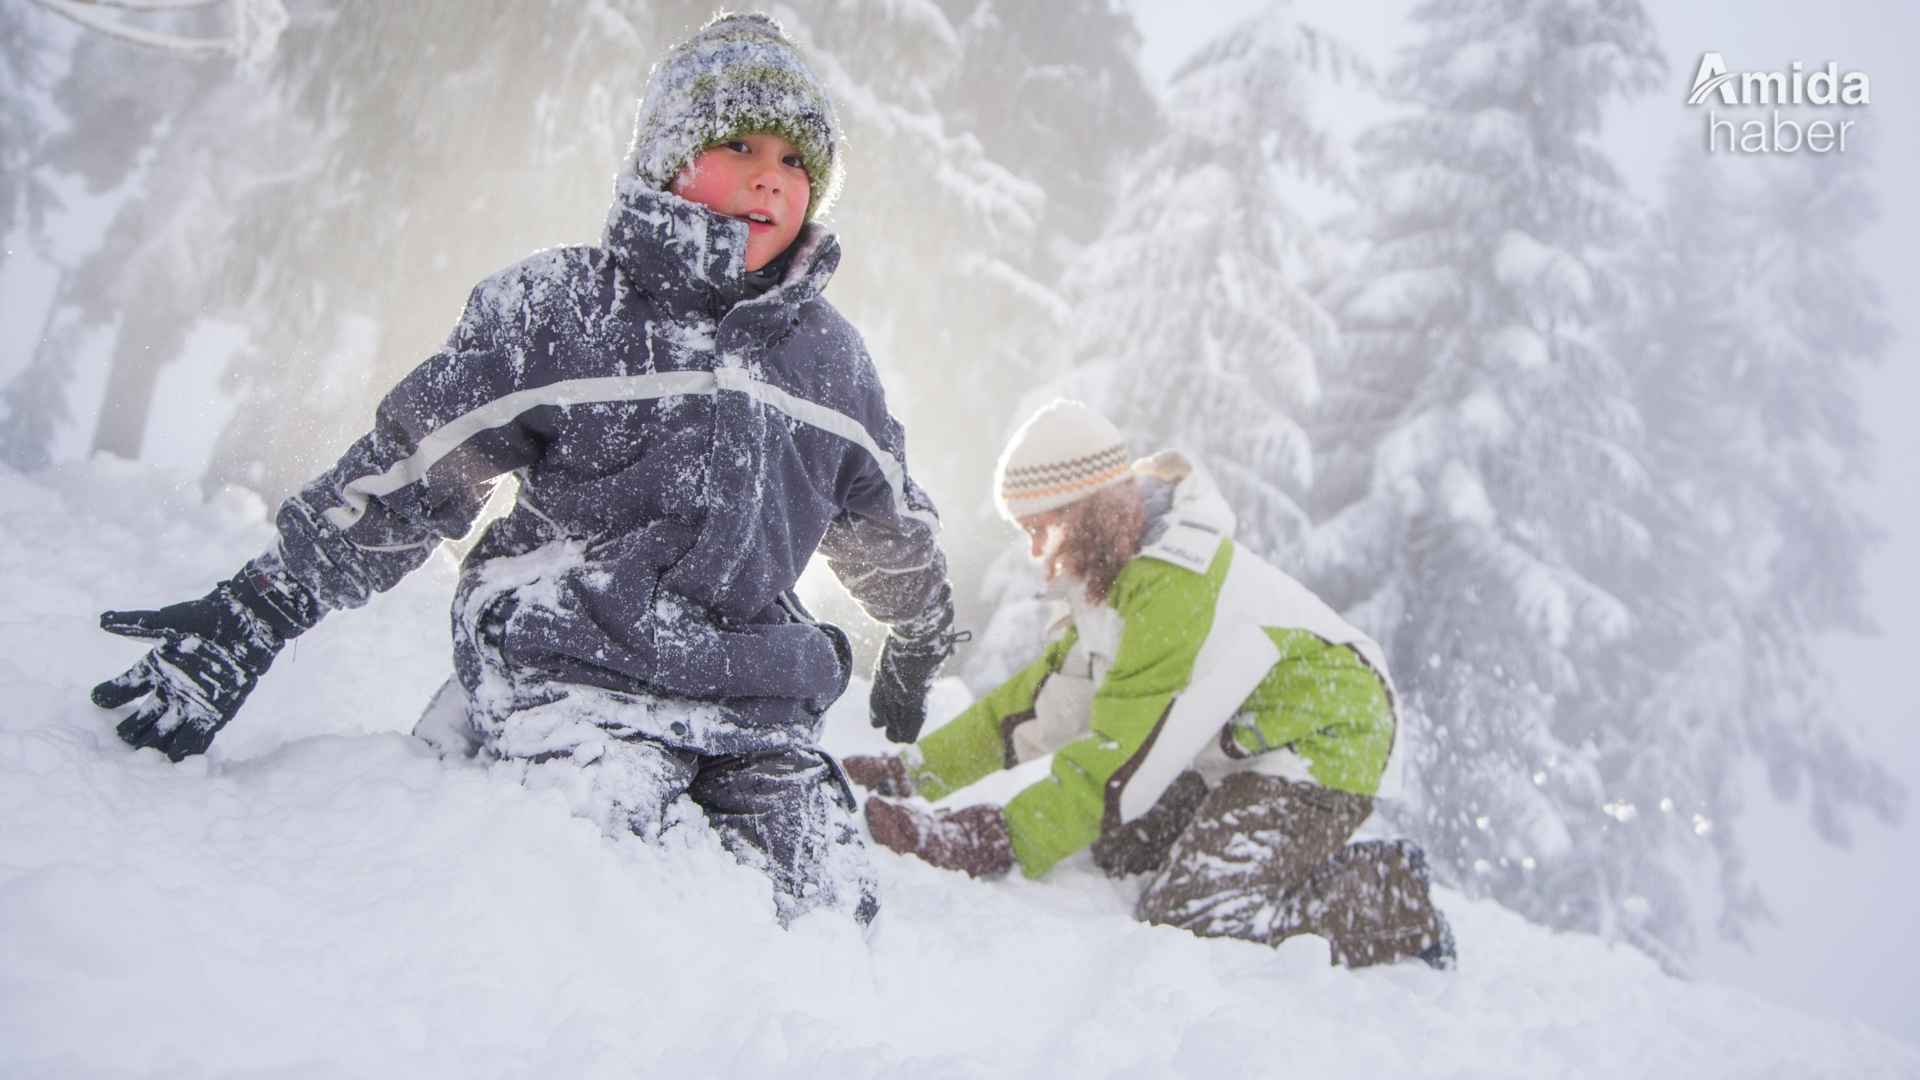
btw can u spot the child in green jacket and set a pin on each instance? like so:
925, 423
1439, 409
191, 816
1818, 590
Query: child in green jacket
1212, 724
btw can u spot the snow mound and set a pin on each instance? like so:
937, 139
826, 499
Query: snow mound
320, 896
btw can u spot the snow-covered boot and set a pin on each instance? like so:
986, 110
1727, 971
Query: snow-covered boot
1441, 955
1373, 903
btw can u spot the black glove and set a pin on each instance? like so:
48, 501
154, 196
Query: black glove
901, 678
211, 653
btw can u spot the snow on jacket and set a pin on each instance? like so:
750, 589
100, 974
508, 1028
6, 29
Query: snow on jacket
682, 447
1204, 657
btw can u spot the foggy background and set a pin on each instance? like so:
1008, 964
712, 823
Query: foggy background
217, 267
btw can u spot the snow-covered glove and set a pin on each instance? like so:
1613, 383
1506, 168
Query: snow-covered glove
901, 679
882, 774
908, 662
211, 653
974, 840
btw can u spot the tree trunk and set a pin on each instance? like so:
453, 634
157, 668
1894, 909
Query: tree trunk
139, 351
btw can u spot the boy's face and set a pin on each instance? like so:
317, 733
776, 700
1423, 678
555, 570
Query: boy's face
757, 178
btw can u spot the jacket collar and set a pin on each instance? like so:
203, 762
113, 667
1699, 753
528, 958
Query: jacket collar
693, 260
1193, 519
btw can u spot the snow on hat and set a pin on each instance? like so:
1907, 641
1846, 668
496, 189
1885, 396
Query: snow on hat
1062, 454
738, 75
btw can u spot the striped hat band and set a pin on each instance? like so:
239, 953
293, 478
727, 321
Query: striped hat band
1059, 482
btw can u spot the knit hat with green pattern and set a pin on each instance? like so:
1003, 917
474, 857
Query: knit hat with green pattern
737, 76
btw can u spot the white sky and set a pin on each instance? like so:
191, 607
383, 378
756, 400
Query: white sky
1848, 940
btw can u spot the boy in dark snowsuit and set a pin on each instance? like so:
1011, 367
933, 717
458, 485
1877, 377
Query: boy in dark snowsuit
689, 421
1213, 726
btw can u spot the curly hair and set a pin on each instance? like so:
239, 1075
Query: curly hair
1100, 535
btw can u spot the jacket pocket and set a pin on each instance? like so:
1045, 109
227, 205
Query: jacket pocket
843, 657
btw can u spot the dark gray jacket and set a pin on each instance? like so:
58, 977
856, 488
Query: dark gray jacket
683, 447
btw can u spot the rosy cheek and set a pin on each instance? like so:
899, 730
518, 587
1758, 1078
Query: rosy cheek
698, 177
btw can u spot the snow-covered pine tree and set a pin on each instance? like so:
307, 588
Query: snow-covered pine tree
244, 29
1479, 447
451, 138
28, 66
1055, 94
1829, 326
1193, 319
1752, 321
141, 129
32, 399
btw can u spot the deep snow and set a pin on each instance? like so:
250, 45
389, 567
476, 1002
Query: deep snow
320, 896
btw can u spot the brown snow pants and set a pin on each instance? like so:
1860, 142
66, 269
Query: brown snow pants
1264, 859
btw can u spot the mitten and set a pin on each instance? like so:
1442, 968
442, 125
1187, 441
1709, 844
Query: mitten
974, 840
882, 774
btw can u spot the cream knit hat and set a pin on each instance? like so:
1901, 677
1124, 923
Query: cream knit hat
1062, 454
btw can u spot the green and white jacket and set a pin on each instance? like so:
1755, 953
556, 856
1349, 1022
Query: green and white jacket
1204, 657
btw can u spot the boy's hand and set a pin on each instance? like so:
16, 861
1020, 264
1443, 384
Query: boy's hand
974, 840
212, 652
901, 679
882, 774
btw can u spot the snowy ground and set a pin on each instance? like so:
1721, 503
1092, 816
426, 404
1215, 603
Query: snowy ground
321, 897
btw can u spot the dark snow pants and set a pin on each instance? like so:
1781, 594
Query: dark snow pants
789, 813
1264, 859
